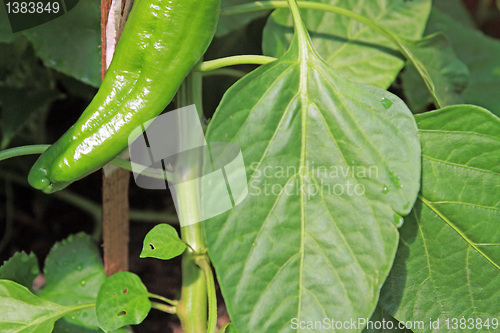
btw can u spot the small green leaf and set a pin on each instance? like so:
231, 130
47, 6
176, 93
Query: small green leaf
162, 242
21, 311
448, 262
21, 268
448, 74
353, 49
122, 300
74, 274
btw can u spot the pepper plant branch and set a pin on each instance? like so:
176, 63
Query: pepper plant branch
192, 306
400, 42
204, 263
211, 65
226, 71
164, 299
163, 307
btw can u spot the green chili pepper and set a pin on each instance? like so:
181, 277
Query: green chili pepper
161, 42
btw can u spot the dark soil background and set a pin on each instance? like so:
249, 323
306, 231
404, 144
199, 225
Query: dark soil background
40, 220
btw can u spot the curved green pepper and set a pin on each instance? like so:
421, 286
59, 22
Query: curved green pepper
161, 42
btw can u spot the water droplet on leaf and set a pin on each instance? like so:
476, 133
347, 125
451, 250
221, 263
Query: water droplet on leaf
83, 283
254, 244
385, 190
386, 103
398, 221
395, 180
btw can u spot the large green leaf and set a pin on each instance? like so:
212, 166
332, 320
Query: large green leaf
21, 311
332, 165
354, 50
479, 52
74, 274
448, 262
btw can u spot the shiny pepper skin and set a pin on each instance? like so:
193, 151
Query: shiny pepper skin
161, 42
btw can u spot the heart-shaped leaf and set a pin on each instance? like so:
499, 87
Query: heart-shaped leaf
448, 262
332, 165
122, 300
162, 242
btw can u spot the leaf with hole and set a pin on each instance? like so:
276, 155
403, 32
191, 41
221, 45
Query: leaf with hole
448, 262
122, 300
74, 274
353, 49
162, 242
332, 166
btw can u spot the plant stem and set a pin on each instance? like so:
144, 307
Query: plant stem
163, 307
164, 299
234, 60
21, 151
192, 307
226, 71
204, 263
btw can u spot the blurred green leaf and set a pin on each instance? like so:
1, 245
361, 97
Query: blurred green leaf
17, 105
70, 43
74, 274
354, 50
448, 262
122, 300
6, 35
21, 268
479, 52
162, 242
448, 74
230, 23
21, 311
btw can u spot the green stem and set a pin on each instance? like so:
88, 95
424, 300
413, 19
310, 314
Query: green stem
398, 41
163, 307
226, 71
21, 151
234, 60
204, 264
164, 299
192, 306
